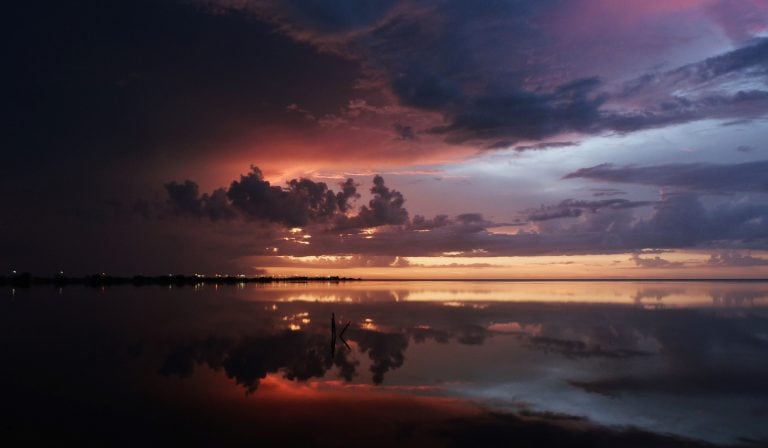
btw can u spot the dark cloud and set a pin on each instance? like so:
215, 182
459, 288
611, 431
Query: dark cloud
346, 262
573, 208
675, 221
735, 259
301, 202
655, 262
544, 145
320, 16
598, 192
347, 195
678, 110
433, 58
522, 115
185, 199
554, 213
462, 223
106, 100
385, 208
100, 93
704, 177
126, 79
404, 132
748, 61
421, 223
745, 148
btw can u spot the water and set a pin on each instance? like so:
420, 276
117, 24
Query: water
427, 363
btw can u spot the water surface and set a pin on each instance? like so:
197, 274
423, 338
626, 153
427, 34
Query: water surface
425, 363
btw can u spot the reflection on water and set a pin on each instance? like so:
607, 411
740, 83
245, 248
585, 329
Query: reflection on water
426, 363
650, 294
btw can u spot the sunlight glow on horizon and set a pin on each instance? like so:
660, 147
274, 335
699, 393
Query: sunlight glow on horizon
652, 264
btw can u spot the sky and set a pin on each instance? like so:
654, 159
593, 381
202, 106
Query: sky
386, 139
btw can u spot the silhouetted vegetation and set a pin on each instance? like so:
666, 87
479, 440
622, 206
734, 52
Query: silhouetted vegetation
26, 279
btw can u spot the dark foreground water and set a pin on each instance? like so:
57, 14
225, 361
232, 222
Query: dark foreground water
427, 364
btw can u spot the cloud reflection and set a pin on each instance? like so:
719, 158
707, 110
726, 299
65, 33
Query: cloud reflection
610, 362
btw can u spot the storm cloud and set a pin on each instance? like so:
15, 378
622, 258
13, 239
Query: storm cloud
704, 177
434, 58
301, 202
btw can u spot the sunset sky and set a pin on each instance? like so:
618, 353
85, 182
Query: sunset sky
387, 139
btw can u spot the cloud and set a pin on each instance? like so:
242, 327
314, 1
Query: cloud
404, 132
301, 202
522, 115
443, 59
598, 192
323, 17
704, 177
747, 61
609, 225
555, 213
341, 262
543, 145
185, 199
735, 259
572, 208
385, 208
655, 262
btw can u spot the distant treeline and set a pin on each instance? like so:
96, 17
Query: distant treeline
97, 280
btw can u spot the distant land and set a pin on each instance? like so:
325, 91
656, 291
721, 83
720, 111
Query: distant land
26, 279
97, 280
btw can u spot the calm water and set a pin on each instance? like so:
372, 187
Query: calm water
427, 363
